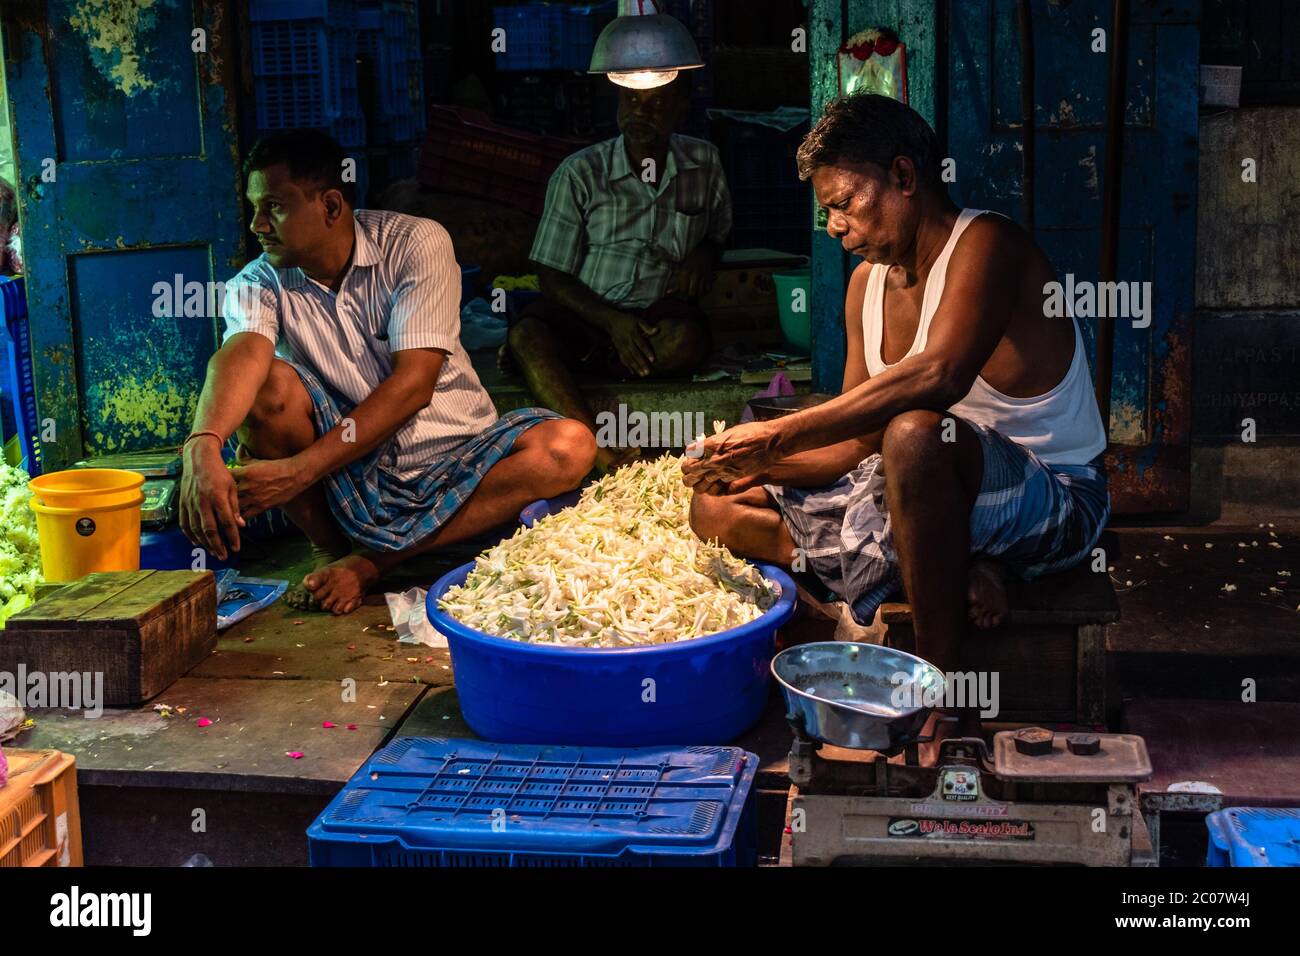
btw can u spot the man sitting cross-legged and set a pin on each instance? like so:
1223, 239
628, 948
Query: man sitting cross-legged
967, 439
631, 232
374, 434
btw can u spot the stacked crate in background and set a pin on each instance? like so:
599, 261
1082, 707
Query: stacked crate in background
468, 153
304, 67
388, 46
550, 36
558, 105
771, 207
697, 16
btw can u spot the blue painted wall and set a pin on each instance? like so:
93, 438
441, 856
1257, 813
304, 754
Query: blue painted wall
127, 167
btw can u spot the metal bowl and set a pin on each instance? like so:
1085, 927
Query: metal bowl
849, 694
779, 406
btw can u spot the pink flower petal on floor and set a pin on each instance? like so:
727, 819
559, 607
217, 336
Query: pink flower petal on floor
327, 724
352, 726
295, 754
204, 722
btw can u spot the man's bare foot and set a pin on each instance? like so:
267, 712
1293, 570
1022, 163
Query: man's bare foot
298, 596
340, 586
987, 593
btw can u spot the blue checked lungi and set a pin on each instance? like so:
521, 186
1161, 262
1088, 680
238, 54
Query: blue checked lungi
1033, 517
384, 512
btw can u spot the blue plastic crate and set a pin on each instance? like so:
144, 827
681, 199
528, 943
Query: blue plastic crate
388, 35
435, 802
1253, 836
334, 13
305, 77
578, 35
20, 384
534, 37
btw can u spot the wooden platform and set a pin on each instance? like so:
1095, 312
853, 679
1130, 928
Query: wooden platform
272, 681
1049, 653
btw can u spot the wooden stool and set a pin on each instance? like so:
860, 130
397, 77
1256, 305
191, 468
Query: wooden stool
1049, 653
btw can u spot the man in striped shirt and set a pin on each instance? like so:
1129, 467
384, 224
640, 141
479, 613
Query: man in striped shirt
370, 429
629, 237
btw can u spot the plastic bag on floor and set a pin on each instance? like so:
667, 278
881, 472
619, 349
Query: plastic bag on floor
480, 327
238, 597
12, 716
410, 620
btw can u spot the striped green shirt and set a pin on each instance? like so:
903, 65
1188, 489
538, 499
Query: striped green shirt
623, 237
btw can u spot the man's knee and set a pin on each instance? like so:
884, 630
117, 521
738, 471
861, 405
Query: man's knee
280, 419
572, 448
917, 439
711, 516
280, 392
525, 333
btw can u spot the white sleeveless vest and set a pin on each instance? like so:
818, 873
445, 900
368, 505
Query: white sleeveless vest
1062, 426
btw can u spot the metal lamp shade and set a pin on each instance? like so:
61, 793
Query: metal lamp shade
653, 43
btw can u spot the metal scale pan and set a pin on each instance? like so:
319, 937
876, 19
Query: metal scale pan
847, 694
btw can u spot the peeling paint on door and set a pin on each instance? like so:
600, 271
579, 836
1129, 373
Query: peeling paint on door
147, 188
114, 32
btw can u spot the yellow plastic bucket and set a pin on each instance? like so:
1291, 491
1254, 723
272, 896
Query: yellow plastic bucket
88, 520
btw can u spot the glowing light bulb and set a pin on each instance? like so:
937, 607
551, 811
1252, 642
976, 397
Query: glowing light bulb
643, 79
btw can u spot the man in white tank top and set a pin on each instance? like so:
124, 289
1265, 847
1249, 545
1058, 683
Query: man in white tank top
966, 442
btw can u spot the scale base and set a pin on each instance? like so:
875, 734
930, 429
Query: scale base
960, 812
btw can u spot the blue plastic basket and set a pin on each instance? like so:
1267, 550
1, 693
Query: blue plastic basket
534, 37
334, 13
546, 36
1253, 836
707, 690
20, 384
304, 72
388, 35
430, 801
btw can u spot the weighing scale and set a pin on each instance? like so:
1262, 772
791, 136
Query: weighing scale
1037, 798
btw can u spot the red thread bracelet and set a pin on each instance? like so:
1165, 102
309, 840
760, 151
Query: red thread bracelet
198, 435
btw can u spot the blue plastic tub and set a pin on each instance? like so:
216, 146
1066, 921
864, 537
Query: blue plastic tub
426, 801
1253, 836
708, 690
169, 550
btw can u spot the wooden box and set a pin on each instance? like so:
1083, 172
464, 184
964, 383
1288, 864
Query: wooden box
740, 305
141, 629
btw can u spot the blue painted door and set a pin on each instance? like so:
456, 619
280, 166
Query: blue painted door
1150, 419
124, 125
965, 79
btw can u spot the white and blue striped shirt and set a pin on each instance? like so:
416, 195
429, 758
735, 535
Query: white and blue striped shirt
401, 292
